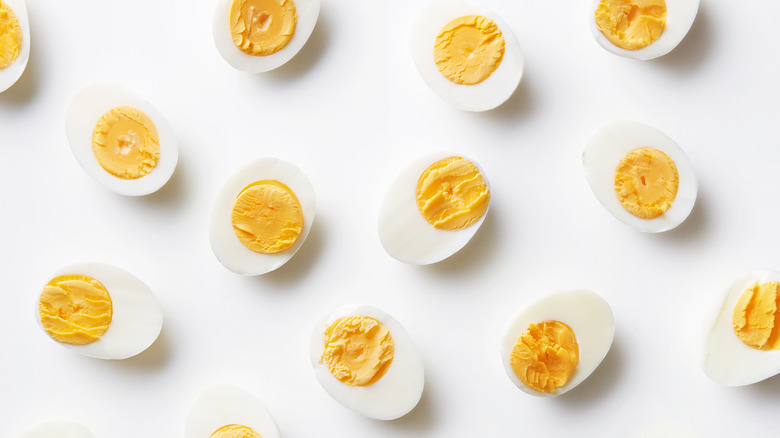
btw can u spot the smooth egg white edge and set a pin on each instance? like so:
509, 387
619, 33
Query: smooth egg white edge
58, 429
11, 74
223, 405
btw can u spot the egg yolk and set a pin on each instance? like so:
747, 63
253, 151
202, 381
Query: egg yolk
756, 318
545, 355
358, 350
452, 194
75, 309
267, 217
631, 24
469, 49
262, 27
646, 182
125, 143
235, 431
10, 36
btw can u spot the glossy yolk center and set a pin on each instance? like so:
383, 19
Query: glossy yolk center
452, 194
469, 49
267, 217
262, 27
235, 431
358, 350
125, 143
631, 24
646, 182
545, 355
756, 318
75, 309
10, 36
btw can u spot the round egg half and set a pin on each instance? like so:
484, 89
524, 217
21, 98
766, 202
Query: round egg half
121, 140
641, 29
58, 429
227, 411
99, 310
366, 361
640, 175
260, 35
433, 208
554, 344
14, 41
466, 54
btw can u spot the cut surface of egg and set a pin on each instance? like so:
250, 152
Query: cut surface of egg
552, 345
366, 361
261, 216
121, 140
741, 339
467, 55
433, 208
99, 310
260, 35
641, 29
14, 41
229, 412
58, 429
640, 175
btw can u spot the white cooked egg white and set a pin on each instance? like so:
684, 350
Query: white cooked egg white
482, 96
135, 321
229, 407
306, 12
85, 111
396, 392
668, 429
58, 429
603, 153
13, 71
585, 313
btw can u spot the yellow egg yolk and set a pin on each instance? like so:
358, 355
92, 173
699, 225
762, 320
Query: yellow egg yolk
545, 355
235, 431
10, 36
631, 24
358, 350
267, 217
125, 143
646, 182
262, 27
452, 194
469, 49
756, 318
75, 309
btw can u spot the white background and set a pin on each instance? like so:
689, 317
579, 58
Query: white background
351, 111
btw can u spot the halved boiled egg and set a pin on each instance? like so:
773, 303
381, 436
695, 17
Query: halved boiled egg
99, 310
229, 412
58, 429
14, 41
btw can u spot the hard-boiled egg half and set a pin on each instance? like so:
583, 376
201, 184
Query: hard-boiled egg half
433, 208
14, 41
58, 429
640, 175
260, 35
552, 345
229, 412
121, 140
641, 29
366, 361
99, 310
261, 216
466, 54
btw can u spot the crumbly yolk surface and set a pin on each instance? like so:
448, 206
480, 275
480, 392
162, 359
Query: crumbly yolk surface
545, 355
125, 143
262, 27
646, 182
75, 309
358, 350
267, 217
756, 318
452, 194
10, 36
631, 24
469, 49
235, 431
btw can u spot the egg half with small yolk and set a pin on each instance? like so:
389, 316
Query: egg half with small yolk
226, 411
14, 41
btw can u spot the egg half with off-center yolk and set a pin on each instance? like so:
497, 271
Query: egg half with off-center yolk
58, 429
14, 41
229, 412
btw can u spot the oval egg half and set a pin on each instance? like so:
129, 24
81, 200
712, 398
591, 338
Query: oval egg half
16, 42
230, 411
58, 429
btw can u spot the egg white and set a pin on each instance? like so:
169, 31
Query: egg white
224, 405
58, 429
12, 73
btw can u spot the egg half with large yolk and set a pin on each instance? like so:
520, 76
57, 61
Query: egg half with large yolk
14, 41
229, 412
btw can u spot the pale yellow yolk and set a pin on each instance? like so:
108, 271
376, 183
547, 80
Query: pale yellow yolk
358, 350
267, 217
544, 356
235, 431
631, 24
10, 36
756, 318
75, 309
262, 27
452, 194
469, 49
125, 143
646, 182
